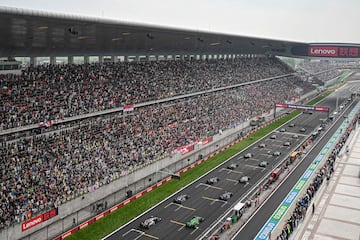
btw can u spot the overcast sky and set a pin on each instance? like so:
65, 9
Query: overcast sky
304, 20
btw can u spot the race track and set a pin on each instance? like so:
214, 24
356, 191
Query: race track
204, 199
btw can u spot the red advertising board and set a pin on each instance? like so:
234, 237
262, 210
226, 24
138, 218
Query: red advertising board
206, 140
39, 219
31, 222
323, 51
348, 52
324, 109
129, 108
282, 105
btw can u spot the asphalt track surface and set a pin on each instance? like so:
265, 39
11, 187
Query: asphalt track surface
204, 199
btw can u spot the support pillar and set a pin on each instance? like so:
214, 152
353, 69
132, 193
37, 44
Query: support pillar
32, 61
70, 59
52, 60
86, 59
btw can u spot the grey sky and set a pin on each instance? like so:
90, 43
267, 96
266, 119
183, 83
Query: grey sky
305, 20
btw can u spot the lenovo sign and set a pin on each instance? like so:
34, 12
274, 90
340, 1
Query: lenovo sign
31, 223
323, 51
39, 219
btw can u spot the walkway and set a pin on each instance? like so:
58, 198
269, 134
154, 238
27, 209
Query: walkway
337, 211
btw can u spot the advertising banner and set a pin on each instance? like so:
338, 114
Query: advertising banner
303, 107
39, 219
129, 108
323, 51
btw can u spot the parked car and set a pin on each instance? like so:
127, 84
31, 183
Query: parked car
232, 166
273, 136
302, 130
263, 164
295, 136
213, 180
194, 222
292, 125
181, 198
147, 223
282, 130
244, 179
225, 196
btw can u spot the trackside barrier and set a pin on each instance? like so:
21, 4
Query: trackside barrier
289, 200
116, 207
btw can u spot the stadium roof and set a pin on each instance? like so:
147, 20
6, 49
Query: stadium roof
36, 33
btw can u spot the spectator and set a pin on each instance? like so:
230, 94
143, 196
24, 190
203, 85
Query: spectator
43, 167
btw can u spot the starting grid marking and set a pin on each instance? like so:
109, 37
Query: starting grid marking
265, 155
182, 226
214, 200
252, 159
230, 171
178, 223
207, 186
141, 233
265, 149
257, 167
179, 206
232, 180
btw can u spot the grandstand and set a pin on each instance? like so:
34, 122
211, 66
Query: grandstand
86, 136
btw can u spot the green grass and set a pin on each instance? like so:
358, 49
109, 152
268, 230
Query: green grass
116, 219
341, 78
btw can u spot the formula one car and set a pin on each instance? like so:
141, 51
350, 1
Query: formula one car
287, 144
273, 137
213, 180
147, 223
263, 164
248, 155
194, 222
232, 166
262, 145
276, 153
225, 196
181, 198
244, 179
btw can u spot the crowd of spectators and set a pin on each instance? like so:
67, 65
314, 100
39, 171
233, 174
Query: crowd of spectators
54, 92
323, 174
321, 71
315, 67
328, 75
41, 170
